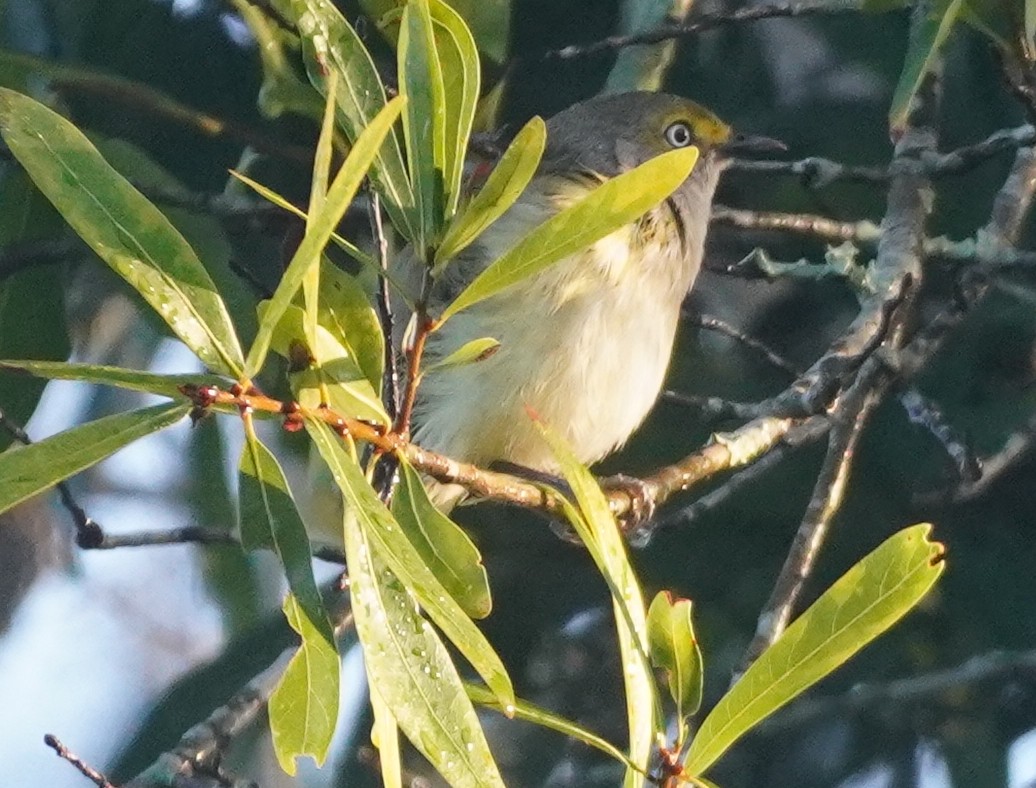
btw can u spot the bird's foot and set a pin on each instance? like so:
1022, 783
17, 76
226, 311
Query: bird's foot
636, 520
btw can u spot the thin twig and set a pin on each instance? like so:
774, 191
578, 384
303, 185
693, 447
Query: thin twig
884, 321
390, 376
87, 529
993, 668
701, 23
84, 769
720, 326
201, 748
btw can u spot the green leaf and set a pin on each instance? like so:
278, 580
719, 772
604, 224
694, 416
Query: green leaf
424, 122
921, 55
608, 549
406, 563
612, 205
270, 195
862, 604
122, 227
28, 470
442, 544
458, 58
131, 379
318, 232
469, 353
530, 712
346, 312
304, 705
333, 369
329, 41
489, 21
385, 736
674, 648
502, 188
409, 667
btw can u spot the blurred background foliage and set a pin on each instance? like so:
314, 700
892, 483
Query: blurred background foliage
821, 84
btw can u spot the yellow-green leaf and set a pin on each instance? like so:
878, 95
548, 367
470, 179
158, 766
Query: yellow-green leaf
502, 188
125, 230
469, 353
131, 379
612, 205
28, 470
608, 549
319, 229
863, 603
443, 545
674, 648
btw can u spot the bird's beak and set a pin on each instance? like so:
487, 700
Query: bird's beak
739, 144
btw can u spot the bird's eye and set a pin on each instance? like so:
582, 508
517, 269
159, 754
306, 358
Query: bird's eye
679, 134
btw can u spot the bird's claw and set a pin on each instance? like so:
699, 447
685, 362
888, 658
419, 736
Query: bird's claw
636, 519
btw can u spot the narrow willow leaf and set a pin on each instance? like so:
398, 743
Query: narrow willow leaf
131, 379
304, 705
458, 57
333, 370
502, 188
524, 710
469, 353
346, 246
609, 551
489, 21
443, 545
409, 666
609, 207
424, 122
922, 52
318, 232
347, 314
862, 604
28, 470
317, 197
674, 648
406, 563
329, 41
125, 230
385, 736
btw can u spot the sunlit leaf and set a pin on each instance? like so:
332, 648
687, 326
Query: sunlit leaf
502, 188
122, 227
329, 367
406, 563
610, 206
28, 470
530, 712
925, 43
319, 230
469, 353
424, 122
461, 76
674, 648
862, 604
606, 545
304, 705
385, 736
443, 545
134, 380
346, 312
329, 41
409, 667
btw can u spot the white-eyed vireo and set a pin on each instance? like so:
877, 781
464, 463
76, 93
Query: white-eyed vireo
586, 342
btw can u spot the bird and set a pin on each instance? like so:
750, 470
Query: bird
585, 343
